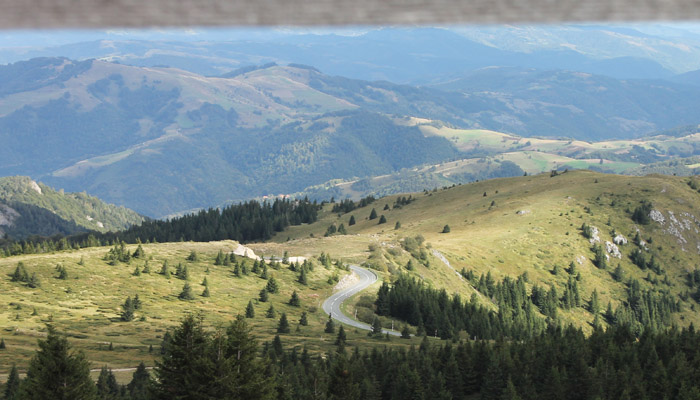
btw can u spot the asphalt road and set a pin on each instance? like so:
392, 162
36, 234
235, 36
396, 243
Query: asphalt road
332, 304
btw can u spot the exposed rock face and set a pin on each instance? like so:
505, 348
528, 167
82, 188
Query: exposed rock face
595, 235
8, 215
612, 249
620, 240
245, 252
657, 216
33, 185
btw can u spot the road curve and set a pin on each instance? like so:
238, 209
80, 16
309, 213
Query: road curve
332, 304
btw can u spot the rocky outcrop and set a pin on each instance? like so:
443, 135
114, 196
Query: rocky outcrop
612, 249
620, 240
245, 252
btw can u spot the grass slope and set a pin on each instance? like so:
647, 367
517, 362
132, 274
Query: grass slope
526, 224
87, 305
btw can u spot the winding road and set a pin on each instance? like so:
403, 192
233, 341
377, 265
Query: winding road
332, 304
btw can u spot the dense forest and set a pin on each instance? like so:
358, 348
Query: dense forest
244, 222
558, 363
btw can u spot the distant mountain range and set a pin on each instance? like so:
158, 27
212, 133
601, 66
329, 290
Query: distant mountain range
164, 140
400, 55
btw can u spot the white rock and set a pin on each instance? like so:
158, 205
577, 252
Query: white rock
620, 240
595, 238
245, 252
612, 249
657, 216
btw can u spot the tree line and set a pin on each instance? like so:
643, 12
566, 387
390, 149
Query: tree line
227, 363
244, 222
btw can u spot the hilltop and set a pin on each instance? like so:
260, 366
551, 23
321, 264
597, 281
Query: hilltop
29, 208
528, 225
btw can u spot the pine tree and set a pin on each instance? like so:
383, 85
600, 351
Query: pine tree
219, 258
283, 325
270, 312
594, 305
373, 214
186, 293
302, 277
250, 310
137, 271
294, 300
342, 230
140, 381
107, 386
136, 302
193, 256
330, 325
165, 270
3, 346
12, 385
146, 268
63, 273
405, 332
352, 220
446, 229
303, 320
263, 295
342, 338
127, 310
237, 270
272, 285
139, 253
397, 226
382, 220
376, 328
206, 293
55, 372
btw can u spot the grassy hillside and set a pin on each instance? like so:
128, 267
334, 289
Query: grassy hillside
527, 225
32, 208
87, 304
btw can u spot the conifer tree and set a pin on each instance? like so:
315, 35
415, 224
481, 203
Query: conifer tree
351, 222
107, 386
382, 220
3, 346
446, 229
63, 273
263, 296
237, 270
270, 312
206, 293
56, 372
376, 328
193, 256
302, 277
283, 325
146, 268
250, 310
205, 282
405, 332
165, 270
373, 214
272, 285
139, 253
186, 293
12, 385
219, 258
303, 321
594, 305
140, 381
342, 338
397, 226
330, 325
342, 230
294, 300
137, 271
136, 302
127, 310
